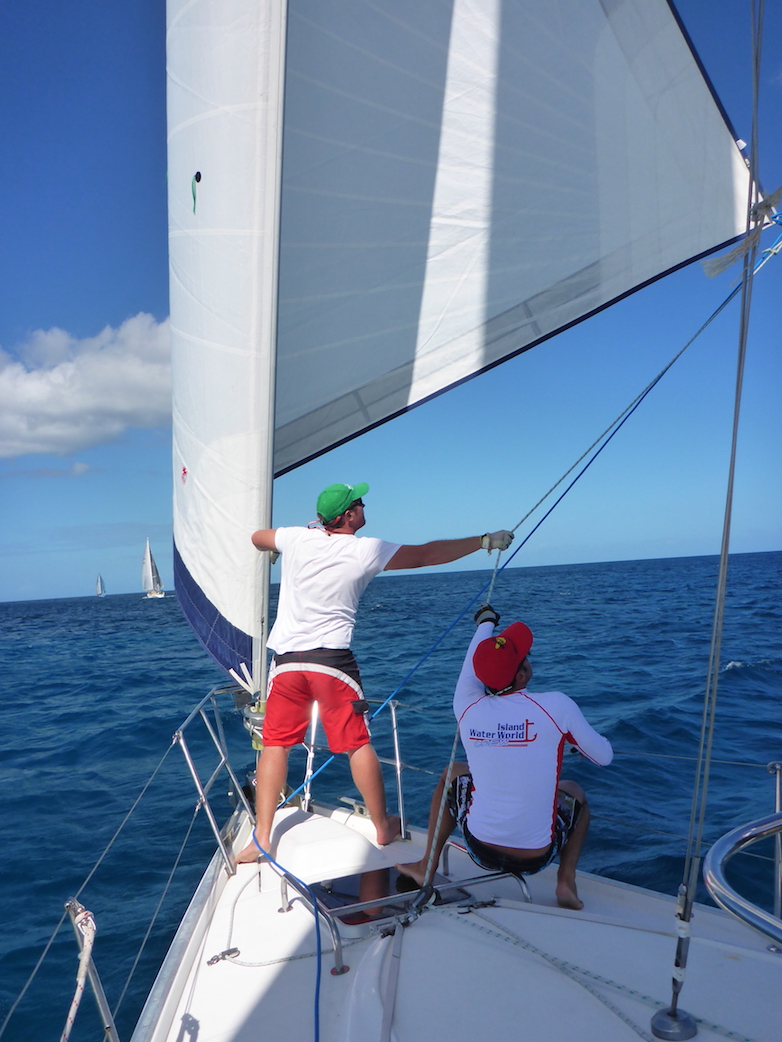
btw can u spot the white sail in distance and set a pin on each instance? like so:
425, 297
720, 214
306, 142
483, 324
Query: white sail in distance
150, 577
459, 181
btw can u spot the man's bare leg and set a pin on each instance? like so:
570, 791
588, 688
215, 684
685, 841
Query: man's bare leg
567, 895
374, 885
365, 768
417, 869
270, 778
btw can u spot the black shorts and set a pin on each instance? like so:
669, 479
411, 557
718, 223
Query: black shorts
568, 811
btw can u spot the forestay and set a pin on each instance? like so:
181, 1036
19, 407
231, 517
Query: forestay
460, 180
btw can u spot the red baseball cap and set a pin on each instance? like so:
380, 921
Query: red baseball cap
497, 659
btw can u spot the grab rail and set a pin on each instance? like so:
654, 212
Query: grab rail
406, 901
217, 734
723, 893
316, 908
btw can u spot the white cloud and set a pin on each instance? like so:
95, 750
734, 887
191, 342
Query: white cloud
61, 395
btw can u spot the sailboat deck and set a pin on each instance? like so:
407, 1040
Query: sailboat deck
509, 967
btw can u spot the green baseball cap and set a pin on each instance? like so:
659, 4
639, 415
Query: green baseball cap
335, 500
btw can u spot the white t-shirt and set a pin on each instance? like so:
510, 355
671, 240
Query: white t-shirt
514, 745
323, 577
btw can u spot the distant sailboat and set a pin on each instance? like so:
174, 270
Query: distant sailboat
150, 577
100, 586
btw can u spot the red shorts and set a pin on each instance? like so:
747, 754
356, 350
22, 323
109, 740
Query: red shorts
294, 686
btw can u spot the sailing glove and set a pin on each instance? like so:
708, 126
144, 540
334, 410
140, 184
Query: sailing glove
486, 614
496, 540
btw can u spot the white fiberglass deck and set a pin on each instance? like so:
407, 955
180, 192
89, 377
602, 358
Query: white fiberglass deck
510, 971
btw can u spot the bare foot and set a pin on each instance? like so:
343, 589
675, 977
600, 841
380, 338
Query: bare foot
414, 870
567, 897
249, 855
389, 830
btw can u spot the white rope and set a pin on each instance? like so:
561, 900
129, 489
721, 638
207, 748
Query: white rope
575, 972
86, 925
503, 933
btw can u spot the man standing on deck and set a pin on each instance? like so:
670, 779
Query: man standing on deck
325, 570
515, 811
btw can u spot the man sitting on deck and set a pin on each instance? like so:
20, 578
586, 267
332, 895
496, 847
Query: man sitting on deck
325, 570
515, 811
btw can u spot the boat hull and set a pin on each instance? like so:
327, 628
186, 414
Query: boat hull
460, 971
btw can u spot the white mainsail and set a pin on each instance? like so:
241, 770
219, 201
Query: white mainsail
100, 586
460, 181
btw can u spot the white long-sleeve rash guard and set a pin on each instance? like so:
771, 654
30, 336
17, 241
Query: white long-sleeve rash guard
514, 746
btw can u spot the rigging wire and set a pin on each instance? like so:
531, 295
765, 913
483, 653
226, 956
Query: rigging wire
155, 914
78, 893
663, 1021
700, 789
623, 416
597, 447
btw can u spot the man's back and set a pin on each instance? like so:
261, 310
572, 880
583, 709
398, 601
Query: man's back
323, 577
514, 745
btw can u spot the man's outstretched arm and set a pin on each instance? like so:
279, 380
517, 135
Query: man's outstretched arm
443, 551
263, 539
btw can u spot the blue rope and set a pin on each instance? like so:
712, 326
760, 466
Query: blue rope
301, 882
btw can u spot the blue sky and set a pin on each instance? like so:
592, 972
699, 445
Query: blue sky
84, 381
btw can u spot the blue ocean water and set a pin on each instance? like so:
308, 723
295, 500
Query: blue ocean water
94, 690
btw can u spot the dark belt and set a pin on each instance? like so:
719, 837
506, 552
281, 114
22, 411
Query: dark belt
336, 658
